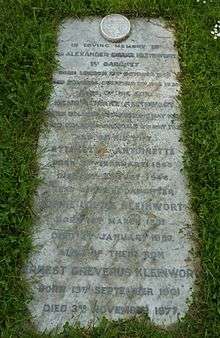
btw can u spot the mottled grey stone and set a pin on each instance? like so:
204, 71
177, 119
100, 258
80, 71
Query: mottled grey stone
113, 225
115, 27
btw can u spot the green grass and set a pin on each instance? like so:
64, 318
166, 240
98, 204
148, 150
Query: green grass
27, 59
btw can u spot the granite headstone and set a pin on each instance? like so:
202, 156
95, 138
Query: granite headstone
113, 229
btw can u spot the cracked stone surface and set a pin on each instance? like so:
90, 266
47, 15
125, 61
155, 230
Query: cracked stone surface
113, 229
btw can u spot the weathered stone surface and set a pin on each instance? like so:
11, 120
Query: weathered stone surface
113, 228
115, 27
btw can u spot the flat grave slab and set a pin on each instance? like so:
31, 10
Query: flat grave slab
113, 229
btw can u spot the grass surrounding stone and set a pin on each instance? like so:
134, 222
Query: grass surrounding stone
28, 31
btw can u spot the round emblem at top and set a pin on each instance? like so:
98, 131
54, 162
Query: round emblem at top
115, 27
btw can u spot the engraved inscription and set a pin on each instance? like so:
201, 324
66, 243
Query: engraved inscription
113, 211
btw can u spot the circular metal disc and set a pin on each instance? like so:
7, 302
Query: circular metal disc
115, 27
